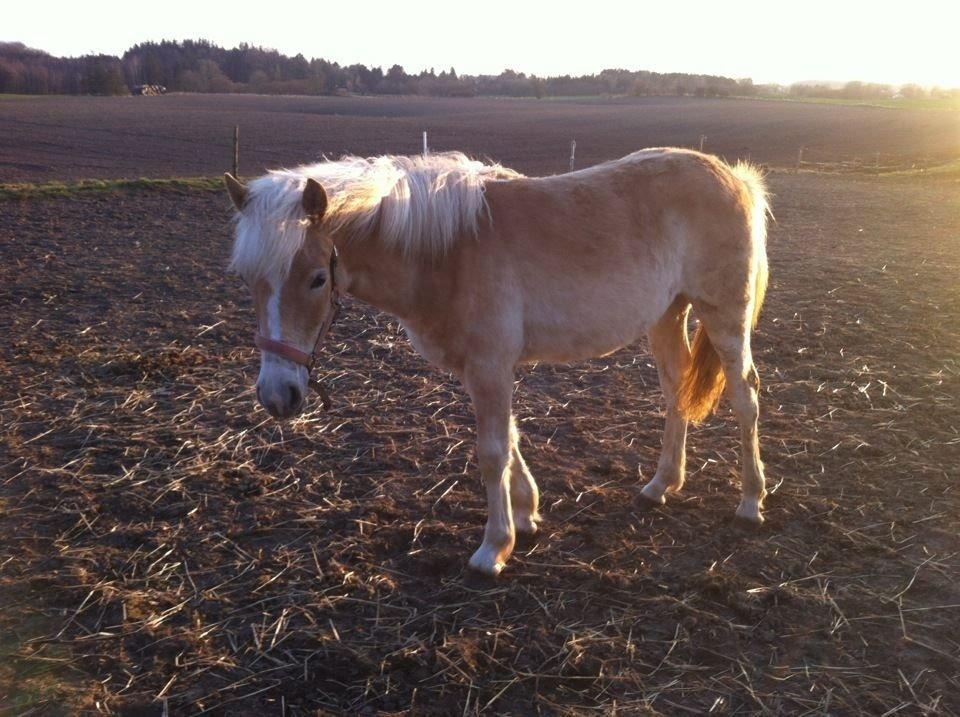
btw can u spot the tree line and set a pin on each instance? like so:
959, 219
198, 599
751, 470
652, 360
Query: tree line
201, 66
868, 91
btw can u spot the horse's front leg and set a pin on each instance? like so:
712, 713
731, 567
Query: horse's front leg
491, 388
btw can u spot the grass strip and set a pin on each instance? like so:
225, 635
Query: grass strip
86, 187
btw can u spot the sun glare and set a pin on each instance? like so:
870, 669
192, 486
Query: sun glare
769, 42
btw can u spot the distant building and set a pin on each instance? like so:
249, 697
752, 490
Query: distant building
149, 90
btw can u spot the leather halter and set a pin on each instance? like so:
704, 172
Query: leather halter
302, 358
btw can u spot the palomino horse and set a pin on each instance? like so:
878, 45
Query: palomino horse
487, 269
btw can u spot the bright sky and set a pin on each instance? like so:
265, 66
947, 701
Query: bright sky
769, 40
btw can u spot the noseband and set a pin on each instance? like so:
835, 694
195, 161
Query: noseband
292, 353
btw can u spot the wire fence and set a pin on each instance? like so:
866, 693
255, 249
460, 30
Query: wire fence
808, 158
234, 149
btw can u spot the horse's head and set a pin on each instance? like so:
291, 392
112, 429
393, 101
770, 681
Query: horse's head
288, 260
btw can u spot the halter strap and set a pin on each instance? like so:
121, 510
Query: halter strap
302, 358
284, 350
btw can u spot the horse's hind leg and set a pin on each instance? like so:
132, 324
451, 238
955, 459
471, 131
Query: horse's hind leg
730, 336
743, 389
524, 494
671, 349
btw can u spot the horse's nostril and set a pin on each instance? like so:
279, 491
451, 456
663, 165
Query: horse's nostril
295, 396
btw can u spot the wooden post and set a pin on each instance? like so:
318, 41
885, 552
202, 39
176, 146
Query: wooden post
236, 150
573, 153
426, 149
703, 138
799, 157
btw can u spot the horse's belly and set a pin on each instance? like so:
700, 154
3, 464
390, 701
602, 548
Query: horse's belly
573, 351
579, 335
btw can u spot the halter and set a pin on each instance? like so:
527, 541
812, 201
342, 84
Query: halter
302, 358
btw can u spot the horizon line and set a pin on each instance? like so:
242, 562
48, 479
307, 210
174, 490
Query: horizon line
837, 83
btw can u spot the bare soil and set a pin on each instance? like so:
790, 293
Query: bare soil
166, 546
55, 138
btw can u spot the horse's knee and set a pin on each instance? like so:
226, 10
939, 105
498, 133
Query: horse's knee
744, 398
492, 456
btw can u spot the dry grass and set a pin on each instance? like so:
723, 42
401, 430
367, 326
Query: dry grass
168, 549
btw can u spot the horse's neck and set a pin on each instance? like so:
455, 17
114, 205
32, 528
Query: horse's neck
381, 277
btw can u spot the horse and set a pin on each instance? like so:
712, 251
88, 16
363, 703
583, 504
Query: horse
487, 270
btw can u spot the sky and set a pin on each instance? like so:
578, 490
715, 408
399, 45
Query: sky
770, 41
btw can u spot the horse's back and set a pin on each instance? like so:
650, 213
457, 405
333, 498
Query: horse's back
581, 264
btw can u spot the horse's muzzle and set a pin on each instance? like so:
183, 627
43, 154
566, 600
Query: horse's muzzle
284, 399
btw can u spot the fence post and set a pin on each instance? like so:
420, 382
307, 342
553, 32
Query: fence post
236, 150
426, 149
573, 153
799, 157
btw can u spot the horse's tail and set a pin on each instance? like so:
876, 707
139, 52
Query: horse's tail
752, 178
703, 381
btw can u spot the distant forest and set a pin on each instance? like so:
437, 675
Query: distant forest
201, 66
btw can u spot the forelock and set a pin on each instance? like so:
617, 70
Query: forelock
271, 228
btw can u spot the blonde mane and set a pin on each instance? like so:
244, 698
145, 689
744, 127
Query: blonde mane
418, 204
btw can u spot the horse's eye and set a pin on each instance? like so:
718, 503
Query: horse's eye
318, 281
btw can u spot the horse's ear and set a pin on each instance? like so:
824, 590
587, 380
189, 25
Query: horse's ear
238, 192
314, 199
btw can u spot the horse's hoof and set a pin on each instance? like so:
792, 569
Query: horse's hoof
475, 580
751, 523
748, 514
643, 504
485, 562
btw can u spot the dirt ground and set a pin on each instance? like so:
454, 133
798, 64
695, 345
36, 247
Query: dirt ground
165, 548
53, 138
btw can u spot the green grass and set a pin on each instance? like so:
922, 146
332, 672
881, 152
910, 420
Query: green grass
948, 170
85, 187
922, 103
14, 96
